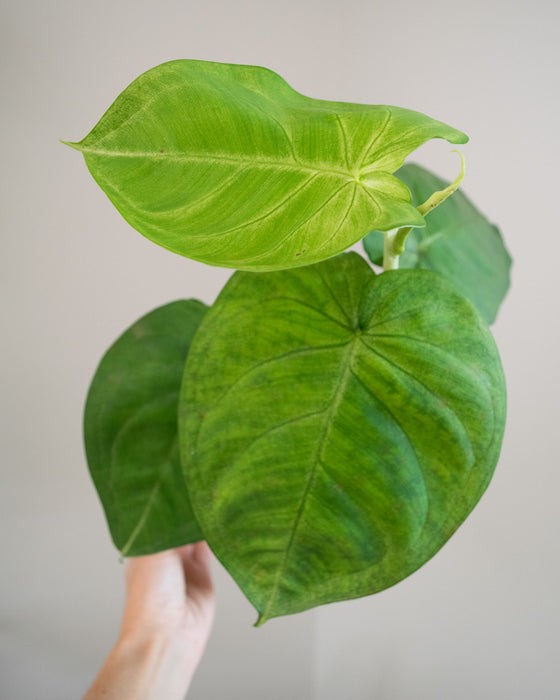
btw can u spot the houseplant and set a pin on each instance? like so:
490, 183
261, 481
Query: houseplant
325, 428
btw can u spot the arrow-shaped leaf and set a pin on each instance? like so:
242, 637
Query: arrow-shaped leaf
228, 165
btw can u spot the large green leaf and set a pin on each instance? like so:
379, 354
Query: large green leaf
337, 427
228, 165
130, 430
457, 241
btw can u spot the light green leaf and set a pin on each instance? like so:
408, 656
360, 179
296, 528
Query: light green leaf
130, 432
458, 242
228, 165
337, 427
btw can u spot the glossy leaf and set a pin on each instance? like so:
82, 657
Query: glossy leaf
458, 242
337, 427
228, 165
130, 430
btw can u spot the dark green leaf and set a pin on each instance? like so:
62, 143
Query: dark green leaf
130, 430
337, 427
458, 242
229, 165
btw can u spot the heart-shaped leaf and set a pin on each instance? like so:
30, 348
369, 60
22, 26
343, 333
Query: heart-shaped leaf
229, 165
130, 431
458, 242
337, 427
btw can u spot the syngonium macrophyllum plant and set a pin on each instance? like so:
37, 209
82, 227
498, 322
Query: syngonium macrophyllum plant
326, 427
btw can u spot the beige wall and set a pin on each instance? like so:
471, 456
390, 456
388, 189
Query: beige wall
479, 620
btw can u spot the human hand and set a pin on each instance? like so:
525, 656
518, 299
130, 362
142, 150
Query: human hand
166, 623
169, 595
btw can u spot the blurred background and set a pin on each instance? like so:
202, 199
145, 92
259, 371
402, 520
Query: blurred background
480, 619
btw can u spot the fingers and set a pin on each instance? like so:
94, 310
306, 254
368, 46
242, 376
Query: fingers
196, 559
195, 556
146, 567
181, 573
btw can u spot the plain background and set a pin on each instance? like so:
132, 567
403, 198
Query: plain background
479, 620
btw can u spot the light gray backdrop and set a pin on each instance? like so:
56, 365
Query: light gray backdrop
478, 621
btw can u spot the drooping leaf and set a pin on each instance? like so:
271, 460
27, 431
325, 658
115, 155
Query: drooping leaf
228, 165
337, 427
130, 432
458, 242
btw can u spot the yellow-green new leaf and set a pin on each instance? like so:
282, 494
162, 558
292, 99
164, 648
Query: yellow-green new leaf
130, 432
337, 427
228, 165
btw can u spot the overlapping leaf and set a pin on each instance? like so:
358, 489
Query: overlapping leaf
458, 242
337, 427
229, 165
130, 430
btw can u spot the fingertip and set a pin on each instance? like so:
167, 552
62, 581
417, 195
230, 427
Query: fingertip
196, 551
202, 551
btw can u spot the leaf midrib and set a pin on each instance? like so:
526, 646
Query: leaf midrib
211, 158
113, 466
147, 510
336, 398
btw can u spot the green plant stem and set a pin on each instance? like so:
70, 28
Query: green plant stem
438, 197
394, 247
400, 238
395, 239
390, 256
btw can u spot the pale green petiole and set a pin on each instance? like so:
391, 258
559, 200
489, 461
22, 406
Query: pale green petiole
395, 239
438, 197
390, 256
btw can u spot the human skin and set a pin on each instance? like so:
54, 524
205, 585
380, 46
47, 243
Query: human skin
167, 619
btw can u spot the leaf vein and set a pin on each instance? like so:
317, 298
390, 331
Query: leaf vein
118, 435
335, 399
273, 429
375, 138
426, 388
342, 220
272, 360
344, 139
408, 440
333, 295
211, 158
270, 116
267, 214
282, 241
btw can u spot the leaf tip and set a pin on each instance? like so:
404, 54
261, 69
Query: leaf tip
73, 144
261, 620
460, 138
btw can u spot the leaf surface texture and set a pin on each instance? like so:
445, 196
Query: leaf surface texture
228, 165
337, 427
130, 430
